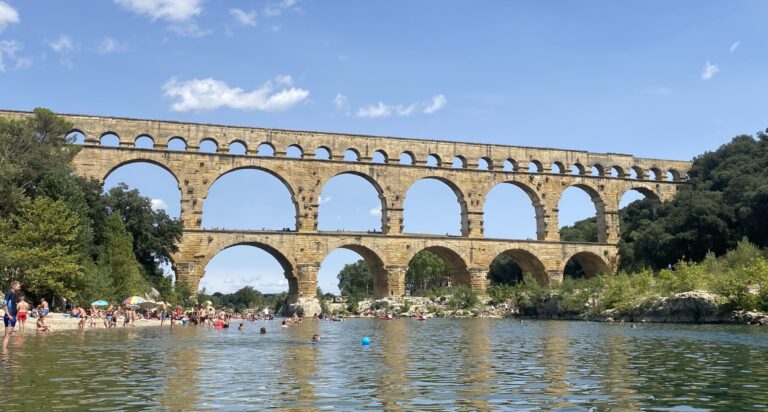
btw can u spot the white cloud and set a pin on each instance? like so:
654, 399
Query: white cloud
382, 109
62, 45
376, 211
709, 71
734, 46
211, 94
340, 101
8, 15
8, 48
180, 13
169, 10
278, 7
247, 19
110, 45
158, 204
322, 199
438, 102
379, 110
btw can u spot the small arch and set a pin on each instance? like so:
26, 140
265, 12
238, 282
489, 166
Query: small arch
510, 165
618, 171
459, 162
406, 158
379, 156
265, 150
636, 172
673, 175
654, 173
558, 168
535, 166
433, 160
109, 139
511, 266
570, 210
585, 265
456, 271
484, 163
351, 201
351, 155
598, 170
177, 144
323, 153
75, 137
509, 214
144, 141
294, 151
578, 169
238, 147
208, 145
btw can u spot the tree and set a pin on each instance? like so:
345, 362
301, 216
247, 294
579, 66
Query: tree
426, 271
116, 260
43, 248
505, 271
154, 233
356, 280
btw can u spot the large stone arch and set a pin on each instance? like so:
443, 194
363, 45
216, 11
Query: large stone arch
271, 172
599, 202
456, 264
592, 263
376, 264
536, 202
286, 261
463, 208
113, 168
368, 178
529, 263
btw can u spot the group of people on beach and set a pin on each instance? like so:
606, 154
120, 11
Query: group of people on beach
16, 309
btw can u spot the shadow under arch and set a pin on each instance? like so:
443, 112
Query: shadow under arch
648, 193
260, 169
371, 181
597, 200
455, 265
585, 264
456, 191
381, 286
518, 263
285, 262
538, 207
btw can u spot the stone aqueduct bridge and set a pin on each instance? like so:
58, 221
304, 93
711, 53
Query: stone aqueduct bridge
603, 176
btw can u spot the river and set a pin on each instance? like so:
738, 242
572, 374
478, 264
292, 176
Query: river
440, 364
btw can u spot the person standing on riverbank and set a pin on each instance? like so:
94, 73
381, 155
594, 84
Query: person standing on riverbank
9, 305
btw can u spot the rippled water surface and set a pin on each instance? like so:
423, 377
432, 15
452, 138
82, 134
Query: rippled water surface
441, 364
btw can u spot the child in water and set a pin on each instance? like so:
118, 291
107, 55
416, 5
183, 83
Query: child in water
240, 328
315, 338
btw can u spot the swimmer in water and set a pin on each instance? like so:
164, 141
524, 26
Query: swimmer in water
263, 331
315, 338
240, 328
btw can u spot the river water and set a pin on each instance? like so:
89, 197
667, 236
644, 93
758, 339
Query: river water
440, 364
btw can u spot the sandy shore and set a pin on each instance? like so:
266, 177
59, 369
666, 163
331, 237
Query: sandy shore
59, 322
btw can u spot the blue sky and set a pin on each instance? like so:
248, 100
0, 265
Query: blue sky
654, 79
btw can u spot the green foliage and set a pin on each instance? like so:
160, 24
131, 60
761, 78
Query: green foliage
43, 248
501, 294
356, 280
426, 271
117, 261
581, 231
463, 297
505, 271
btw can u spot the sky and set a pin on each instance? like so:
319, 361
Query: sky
654, 79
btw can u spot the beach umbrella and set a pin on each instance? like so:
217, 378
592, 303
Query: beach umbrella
134, 301
148, 305
100, 303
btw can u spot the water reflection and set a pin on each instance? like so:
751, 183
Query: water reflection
440, 364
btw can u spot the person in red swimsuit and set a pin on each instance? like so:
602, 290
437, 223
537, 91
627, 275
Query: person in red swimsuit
21, 314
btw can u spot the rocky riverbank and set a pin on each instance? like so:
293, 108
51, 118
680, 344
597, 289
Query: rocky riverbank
687, 307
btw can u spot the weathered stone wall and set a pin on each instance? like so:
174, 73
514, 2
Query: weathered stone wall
300, 253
